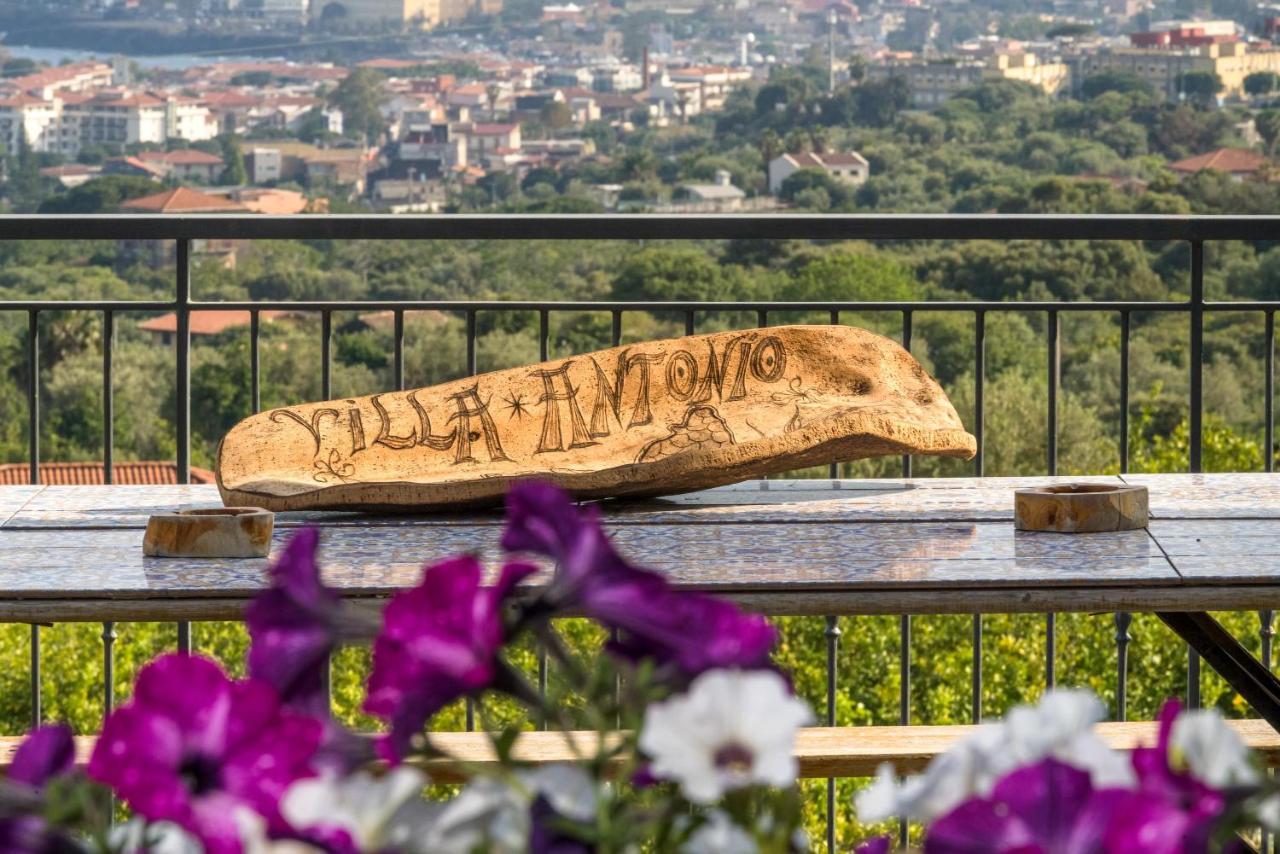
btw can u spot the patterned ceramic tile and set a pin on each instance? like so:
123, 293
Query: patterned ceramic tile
1231, 569
1214, 528
712, 557
940, 499
1211, 496
14, 498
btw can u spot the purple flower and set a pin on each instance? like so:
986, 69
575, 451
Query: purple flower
292, 625
439, 642
874, 845
1046, 808
548, 833
688, 631
47, 752
1182, 809
193, 747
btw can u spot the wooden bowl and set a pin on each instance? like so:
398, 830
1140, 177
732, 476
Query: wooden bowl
215, 532
1080, 508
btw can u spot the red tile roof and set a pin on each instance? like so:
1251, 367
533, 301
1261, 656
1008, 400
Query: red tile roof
87, 474
208, 322
182, 200
1234, 160
182, 157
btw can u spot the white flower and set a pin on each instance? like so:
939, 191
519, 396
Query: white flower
254, 839
731, 729
1060, 726
1268, 812
493, 815
161, 837
951, 778
719, 835
1211, 750
361, 804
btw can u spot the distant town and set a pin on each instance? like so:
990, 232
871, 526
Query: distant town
432, 105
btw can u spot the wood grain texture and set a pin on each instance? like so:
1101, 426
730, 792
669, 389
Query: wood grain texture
229, 532
649, 419
1080, 508
133, 607
821, 751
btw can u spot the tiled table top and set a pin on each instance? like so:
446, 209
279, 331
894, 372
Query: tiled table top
856, 546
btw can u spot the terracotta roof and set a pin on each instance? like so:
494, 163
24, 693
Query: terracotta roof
806, 159
208, 322
87, 474
183, 157
1233, 160
492, 130
137, 164
272, 201
182, 200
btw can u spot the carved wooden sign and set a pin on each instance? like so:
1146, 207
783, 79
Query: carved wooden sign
646, 419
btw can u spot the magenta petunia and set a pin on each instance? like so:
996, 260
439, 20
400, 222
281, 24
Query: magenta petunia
687, 632
47, 752
1046, 808
293, 627
194, 747
439, 642
1181, 811
875, 845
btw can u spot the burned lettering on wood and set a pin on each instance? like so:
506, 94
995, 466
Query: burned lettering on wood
603, 418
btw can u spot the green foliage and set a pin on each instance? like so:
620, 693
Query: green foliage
234, 173
1114, 81
1261, 83
360, 96
100, 195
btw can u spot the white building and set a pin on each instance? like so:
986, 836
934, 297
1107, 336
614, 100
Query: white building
32, 119
852, 168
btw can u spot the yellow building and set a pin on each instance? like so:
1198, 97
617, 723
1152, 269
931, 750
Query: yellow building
1052, 78
1161, 67
424, 13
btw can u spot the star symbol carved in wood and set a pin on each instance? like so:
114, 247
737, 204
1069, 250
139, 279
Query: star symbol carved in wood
516, 405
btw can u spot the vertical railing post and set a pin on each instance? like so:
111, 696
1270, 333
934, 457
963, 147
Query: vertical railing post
398, 363
906, 345
326, 355
255, 360
471, 343
33, 415
182, 394
1195, 433
33, 396
108, 397
1124, 392
832, 635
1269, 393
1054, 358
1054, 341
979, 417
1123, 620
979, 386
37, 714
182, 308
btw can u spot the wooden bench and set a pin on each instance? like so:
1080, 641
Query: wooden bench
822, 751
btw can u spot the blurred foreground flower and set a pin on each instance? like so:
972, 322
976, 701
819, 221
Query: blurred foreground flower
732, 729
193, 746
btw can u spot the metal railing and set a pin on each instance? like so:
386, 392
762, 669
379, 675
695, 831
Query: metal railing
184, 230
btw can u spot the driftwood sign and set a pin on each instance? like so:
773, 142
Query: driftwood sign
647, 419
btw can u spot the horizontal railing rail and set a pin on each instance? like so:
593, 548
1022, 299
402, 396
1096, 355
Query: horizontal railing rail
184, 230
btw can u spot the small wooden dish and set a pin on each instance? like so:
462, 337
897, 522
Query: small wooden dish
216, 532
1080, 508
